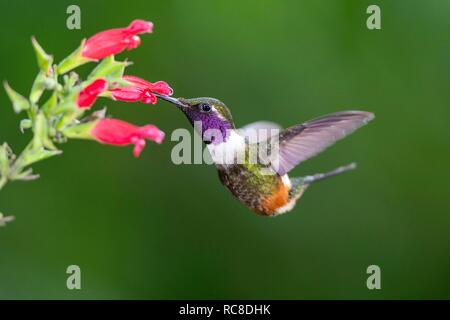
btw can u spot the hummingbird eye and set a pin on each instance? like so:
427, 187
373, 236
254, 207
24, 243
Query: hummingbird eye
205, 107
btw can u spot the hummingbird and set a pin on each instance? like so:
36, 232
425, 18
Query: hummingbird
264, 185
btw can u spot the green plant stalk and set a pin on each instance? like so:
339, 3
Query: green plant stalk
59, 117
27, 157
3, 181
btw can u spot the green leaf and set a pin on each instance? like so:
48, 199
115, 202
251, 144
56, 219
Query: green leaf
4, 160
36, 155
80, 131
26, 175
5, 219
70, 117
44, 60
74, 60
20, 103
118, 83
70, 80
50, 104
25, 124
38, 88
41, 83
41, 130
68, 103
109, 69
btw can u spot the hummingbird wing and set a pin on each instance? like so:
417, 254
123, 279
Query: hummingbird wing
260, 130
303, 141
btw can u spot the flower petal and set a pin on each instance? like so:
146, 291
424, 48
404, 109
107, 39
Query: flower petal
87, 96
140, 26
114, 41
141, 90
120, 133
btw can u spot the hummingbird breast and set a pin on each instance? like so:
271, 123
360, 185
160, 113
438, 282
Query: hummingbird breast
261, 192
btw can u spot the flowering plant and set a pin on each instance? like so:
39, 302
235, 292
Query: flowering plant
63, 115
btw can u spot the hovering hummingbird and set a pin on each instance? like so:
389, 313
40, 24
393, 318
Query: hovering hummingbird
265, 187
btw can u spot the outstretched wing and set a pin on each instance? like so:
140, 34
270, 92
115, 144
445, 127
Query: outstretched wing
303, 141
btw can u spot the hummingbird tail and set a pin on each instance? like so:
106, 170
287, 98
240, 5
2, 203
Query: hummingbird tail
322, 176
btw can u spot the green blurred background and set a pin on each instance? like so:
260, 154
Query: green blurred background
148, 229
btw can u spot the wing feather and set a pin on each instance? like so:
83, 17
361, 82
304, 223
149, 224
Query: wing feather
301, 142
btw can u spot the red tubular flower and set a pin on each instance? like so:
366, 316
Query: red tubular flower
120, 133
87, 96
141, 90
114, 41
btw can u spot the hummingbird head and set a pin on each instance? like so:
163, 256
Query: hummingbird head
212, 114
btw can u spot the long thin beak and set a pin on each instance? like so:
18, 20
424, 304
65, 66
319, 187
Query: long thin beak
172, 100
